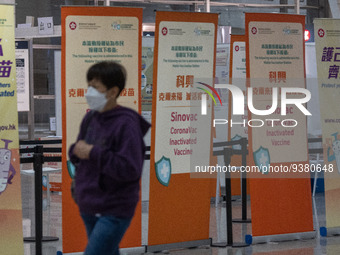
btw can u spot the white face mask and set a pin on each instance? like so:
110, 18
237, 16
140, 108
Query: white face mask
95, 99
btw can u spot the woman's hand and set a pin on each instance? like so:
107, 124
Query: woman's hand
82, 149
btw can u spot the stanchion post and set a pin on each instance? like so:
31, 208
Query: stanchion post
227, 159
38, 160
244, 179
37, 165
244, 151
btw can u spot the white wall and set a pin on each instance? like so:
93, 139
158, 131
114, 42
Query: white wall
313, 122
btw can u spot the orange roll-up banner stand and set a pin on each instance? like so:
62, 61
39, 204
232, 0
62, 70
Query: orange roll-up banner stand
237, 77
327, 42
11, 241
90, 35
184, 67
281, 204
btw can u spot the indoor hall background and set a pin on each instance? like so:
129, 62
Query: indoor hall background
231, 13
44, 80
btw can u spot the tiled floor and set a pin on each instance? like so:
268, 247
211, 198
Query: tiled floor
52, 227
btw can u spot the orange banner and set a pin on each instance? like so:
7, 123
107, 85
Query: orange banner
90, 35
275, 60
185, 49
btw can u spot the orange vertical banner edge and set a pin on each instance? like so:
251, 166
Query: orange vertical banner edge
74, 234
281, 205
180, 212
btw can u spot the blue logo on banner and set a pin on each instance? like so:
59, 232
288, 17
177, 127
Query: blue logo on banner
262, 159
236, 146
163, 170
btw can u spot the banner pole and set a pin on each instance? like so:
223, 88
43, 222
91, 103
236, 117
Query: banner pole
38, 161
229, 219
31, 124
227, 159
244, 152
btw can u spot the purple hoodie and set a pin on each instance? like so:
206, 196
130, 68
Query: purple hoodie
108, 183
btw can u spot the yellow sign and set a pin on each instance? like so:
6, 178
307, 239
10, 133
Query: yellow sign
327, 39
11, 241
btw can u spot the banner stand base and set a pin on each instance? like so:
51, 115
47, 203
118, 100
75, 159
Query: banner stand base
123, 251
335, 231
277, 238
220, 244
240, 245
241, 221
225, 244
181, 245
44, 239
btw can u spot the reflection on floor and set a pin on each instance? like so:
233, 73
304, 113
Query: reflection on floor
52, 227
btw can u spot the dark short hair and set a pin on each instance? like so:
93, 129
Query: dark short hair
110, 73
